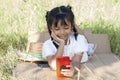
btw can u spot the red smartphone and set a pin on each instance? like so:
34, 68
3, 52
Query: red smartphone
61, 63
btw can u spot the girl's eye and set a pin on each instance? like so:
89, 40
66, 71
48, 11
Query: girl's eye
66, 28
56, 28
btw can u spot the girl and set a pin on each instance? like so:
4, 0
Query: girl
65, 40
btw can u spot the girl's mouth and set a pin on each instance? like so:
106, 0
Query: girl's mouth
62, 37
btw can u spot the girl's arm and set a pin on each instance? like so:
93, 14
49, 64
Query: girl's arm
76, 61
52, 59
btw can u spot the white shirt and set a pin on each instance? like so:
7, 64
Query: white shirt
75, 47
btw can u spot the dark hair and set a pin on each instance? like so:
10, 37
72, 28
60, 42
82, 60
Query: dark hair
62, 14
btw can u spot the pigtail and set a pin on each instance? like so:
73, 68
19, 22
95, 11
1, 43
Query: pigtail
74, 29
75, 32
47, 17
47, 13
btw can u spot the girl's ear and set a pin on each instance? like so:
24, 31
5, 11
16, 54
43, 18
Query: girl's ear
51, 29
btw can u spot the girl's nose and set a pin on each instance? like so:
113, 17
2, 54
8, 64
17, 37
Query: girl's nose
62, 31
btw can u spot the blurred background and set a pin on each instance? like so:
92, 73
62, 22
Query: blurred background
17, 17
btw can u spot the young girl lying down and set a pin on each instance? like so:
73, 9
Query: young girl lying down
65, 40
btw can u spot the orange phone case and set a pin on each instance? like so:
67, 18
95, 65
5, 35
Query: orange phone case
61, 63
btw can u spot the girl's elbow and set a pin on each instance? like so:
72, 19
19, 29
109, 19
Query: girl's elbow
53, 64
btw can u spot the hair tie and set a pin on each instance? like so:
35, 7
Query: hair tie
60, 11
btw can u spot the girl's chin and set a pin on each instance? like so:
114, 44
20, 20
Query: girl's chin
63, 39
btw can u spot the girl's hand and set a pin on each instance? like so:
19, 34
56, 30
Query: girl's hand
68, 72
57, 38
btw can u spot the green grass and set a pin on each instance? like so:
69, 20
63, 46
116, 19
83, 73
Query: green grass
111, 28
17, 17
7, 64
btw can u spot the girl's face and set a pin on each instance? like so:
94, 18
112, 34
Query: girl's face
62, 31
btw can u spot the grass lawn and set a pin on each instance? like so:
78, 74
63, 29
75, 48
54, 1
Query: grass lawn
17, 17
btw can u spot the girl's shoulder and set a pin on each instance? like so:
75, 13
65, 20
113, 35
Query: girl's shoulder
79, 39
79, 36
48, 42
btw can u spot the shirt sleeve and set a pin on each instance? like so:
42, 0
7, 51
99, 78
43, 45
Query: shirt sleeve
81, 44
48, 49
